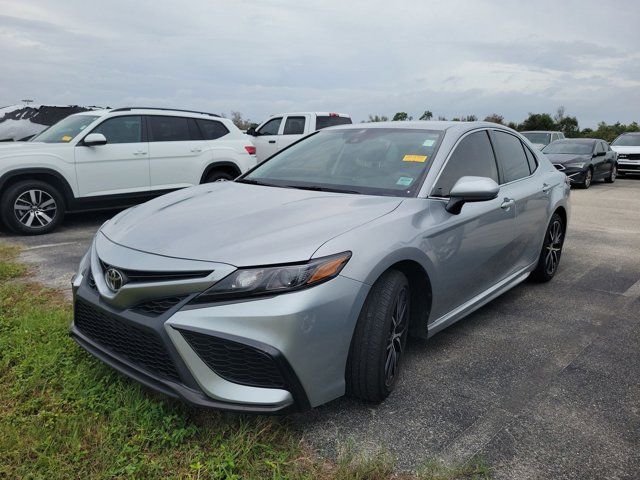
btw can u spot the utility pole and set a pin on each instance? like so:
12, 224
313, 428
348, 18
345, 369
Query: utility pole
27, 101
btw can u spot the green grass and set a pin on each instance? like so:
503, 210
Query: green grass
63, 414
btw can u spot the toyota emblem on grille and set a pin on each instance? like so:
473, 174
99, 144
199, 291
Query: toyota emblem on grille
114, 279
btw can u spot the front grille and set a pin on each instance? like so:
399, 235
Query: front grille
137, 345
236, 362
153, 276
153, 308
628, 167
629, 156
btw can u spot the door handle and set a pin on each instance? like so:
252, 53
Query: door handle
139, 152
272, 141
507, 203
196, 150
546, 188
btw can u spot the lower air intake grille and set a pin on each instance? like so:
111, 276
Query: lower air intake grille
153, 308
236, 362
137, 345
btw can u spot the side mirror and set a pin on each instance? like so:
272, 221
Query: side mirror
599, 154
252, 131
94, 139
471, 189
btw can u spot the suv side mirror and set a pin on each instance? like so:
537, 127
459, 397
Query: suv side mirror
252, 131
94, 139
471, 189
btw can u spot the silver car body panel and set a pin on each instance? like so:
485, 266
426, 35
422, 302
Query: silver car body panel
469, 259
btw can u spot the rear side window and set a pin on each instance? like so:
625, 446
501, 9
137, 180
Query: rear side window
324, 121
294, 126
472, 157
212, 129
531, 159
127, 129
511, 155
271, 127
168, 129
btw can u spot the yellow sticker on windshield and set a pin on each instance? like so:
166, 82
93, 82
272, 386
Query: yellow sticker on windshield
66, 138
415, 158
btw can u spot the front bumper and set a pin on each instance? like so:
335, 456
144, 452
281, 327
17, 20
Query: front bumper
575, 175
266, 355
629, 166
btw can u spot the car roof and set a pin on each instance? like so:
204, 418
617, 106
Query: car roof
437, 125
324, 114
152, 111
541, 131
579, 140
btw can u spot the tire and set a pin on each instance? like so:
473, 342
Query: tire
379, 339
588, 179
551, 250
32, 207
219, 176
613, 173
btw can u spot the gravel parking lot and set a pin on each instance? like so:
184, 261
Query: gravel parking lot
543, 382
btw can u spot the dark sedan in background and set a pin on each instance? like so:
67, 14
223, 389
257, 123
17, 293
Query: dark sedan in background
583, 160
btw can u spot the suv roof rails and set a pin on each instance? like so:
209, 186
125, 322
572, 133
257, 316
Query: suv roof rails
125, 109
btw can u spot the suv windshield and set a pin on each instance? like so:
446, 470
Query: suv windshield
541, 138
627, 140
65, 130
379, 161
573, 148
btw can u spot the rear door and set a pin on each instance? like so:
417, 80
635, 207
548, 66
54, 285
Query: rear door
266, 140
294, 129
177, 151
119, 167
472, 249
523, 187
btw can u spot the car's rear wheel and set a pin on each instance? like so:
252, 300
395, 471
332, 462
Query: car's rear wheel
32, 207
219, 176
588, 178
379, 339
551, 250
612, 174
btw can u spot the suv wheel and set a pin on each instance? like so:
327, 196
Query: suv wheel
551, 250
32, 207
219, 176
379, 339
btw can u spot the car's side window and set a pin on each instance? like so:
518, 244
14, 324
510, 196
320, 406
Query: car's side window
212, 129
271, 127
168, 129
511, 155
473, 156
126, 129
531, 159
600, 148
294, 126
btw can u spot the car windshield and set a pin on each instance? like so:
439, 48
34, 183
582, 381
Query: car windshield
65, 130
627, 141
535, 137
377, 161
572, 148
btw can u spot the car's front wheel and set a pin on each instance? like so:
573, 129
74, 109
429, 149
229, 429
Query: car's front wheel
551, 250
379, 339
32, 207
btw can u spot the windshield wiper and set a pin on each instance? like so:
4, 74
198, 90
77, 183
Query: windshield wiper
251, 181
322, 189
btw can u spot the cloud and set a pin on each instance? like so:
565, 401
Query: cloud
453, 58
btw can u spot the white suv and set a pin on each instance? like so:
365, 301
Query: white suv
115, 158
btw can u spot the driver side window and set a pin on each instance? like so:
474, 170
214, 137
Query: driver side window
472, 157
271, 127
126, 129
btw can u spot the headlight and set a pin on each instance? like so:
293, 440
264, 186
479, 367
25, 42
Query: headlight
249, 282
576, 165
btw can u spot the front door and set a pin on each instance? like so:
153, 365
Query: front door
472, 249
121, 165
266, 140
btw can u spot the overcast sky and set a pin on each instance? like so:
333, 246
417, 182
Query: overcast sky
371, 57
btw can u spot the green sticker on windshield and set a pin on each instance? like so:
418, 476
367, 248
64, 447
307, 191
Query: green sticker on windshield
404, 181
428, 143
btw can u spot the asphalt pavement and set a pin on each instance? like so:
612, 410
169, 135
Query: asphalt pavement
543, 382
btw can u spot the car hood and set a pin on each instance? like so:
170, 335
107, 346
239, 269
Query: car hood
243, 225
8, 149
625, 149
563, 159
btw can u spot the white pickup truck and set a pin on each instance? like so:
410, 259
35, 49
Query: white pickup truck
280, 131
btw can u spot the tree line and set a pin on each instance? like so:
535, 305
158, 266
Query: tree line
560, 121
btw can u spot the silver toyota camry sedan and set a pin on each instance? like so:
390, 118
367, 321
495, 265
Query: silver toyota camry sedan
300, 281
